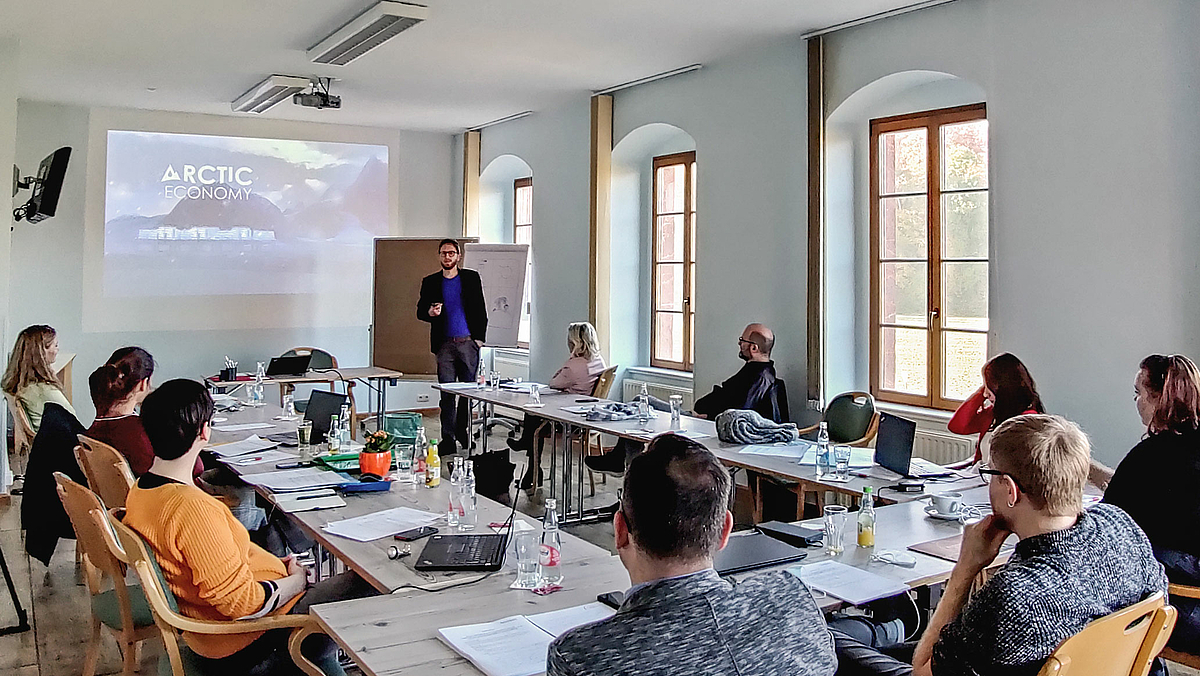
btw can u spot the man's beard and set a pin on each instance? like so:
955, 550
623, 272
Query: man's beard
449, 266
742, 355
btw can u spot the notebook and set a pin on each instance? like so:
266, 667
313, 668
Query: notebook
517, 645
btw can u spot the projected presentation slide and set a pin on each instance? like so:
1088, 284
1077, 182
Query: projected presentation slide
191, 215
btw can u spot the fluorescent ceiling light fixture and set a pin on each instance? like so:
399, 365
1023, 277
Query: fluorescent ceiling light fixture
270, 91
382, 22
509, 118
649, 78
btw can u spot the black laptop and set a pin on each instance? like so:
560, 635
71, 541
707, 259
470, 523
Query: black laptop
289, 366
482, 552
322, 406
751, 550
894, 447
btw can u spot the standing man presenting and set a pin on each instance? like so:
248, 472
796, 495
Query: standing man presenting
452, 302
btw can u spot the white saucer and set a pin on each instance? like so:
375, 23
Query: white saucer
932, 511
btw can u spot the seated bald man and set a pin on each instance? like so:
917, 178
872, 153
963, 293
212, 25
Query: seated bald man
752, 388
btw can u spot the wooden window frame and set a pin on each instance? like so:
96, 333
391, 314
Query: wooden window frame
932, 121
519, 183
688, 160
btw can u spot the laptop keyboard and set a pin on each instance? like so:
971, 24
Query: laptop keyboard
476, 549
922, 466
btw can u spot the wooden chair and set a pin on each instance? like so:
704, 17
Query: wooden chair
852, 420
172, 625
118, 607
322, 359
107, 471
1186, 659
1124, 643
593, 440
22, 433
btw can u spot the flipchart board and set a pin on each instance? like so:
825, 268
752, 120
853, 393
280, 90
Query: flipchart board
399, 340
502, 269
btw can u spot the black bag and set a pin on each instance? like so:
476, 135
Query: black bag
493, 473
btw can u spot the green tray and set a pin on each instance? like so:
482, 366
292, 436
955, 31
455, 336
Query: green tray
340, 461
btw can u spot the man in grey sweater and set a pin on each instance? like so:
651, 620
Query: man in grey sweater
680, 617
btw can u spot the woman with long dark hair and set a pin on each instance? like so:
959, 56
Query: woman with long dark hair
1157, 481
1008, 391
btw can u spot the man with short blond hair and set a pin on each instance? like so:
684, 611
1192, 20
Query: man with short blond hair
1070, 566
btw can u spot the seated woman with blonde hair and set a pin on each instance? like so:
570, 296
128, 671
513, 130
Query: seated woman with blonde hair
30, 378
577, 376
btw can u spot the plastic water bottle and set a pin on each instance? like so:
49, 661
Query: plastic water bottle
416, 468
550, 552
823, 464
256, 390
334, 436
643, 405
344, 430
468, 516
456, 479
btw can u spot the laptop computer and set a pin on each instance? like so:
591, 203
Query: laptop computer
476, 552
322, 406
894, 447
289, 366
751, 550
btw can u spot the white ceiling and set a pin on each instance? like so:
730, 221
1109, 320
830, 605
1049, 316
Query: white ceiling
473, 61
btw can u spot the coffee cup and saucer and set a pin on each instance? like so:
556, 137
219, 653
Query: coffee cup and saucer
945, 506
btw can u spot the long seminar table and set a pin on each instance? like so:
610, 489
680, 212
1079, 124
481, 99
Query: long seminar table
369, 559
375, 377
568, 485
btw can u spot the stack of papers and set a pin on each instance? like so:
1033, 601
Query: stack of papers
460, 386
323, 498
522, 387
850, 584
297, 479
793, 451
381, 524
517, 645
250, 444
242, 427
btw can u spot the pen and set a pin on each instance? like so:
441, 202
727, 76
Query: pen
312, 497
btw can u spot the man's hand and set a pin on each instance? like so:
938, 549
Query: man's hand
435, 309
700, 415
981, 544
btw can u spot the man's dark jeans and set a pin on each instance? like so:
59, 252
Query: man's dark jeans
457, 362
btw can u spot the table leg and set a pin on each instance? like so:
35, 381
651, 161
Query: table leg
582, 471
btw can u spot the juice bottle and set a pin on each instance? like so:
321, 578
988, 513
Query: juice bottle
866, 520
433, 467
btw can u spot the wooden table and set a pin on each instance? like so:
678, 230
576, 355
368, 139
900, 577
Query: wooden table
369, 559
397, 634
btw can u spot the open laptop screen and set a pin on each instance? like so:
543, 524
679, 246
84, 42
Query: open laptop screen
894, 444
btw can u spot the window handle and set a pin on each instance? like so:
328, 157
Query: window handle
687, 301
933, 314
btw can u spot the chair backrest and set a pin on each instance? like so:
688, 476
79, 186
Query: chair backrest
320, 358
100, 564
106, 469
1124, 643
604, 383
22, 429
849, 416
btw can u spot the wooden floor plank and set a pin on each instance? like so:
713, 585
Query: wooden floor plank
17, 651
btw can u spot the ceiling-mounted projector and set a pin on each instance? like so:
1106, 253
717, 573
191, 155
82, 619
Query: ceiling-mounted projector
319, 97
382, 22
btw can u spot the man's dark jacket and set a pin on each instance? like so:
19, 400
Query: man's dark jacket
474, 307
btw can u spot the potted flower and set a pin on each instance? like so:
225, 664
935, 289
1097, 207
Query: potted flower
376, 456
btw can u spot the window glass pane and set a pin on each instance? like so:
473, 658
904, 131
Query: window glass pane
692, 338
902, 157
965, 296
668, 238
692, 236
668, 289
523, 234
965, 225
963, 355
965, 155
904, 358
903, 294
524, 206
902, 227
691, 291
668, 336
670, 182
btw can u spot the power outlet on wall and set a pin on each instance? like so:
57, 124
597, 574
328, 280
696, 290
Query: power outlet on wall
814, 404
422, 398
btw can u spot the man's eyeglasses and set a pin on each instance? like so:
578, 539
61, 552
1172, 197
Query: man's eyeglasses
748, 342
985, 472
447, 253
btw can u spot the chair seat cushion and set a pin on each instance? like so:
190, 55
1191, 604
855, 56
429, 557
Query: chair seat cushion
107, 609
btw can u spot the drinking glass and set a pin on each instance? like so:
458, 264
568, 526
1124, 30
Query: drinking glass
535, 397
289, 406
835, 528
676, 411
527, 544
404, 451
841, 458
304, 437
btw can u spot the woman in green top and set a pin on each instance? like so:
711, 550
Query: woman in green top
30, 378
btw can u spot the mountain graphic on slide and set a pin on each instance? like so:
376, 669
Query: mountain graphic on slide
255, 212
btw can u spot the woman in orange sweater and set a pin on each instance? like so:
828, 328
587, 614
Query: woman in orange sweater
1008, 391
206, 555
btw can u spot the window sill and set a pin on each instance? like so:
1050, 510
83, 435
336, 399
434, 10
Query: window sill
656, 374
924, 417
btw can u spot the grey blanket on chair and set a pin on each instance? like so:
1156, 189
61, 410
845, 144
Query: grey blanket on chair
737, 426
